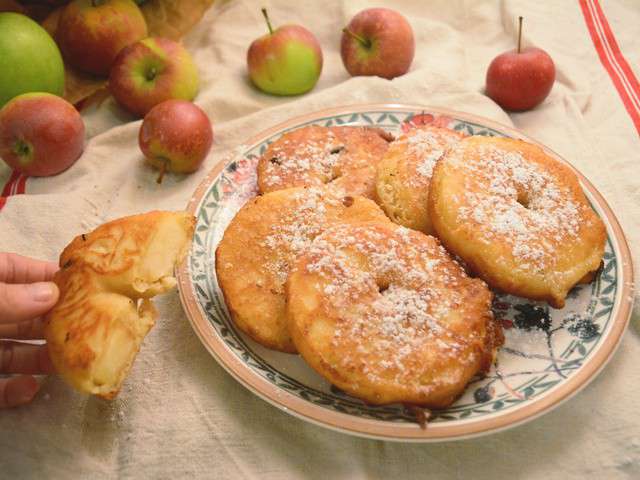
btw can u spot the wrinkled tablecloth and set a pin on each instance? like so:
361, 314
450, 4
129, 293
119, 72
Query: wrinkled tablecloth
180, 414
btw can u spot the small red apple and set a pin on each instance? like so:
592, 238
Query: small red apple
378, 41
520, 79
175, 135
40, 134
151, 71
92, 32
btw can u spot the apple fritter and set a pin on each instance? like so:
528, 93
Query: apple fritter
261, 244
343, 158
106, 278
384, 313
516, 216
404, 174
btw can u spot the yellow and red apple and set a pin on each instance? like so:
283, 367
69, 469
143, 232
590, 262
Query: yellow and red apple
377, 41
91, 33
40, 134
175, 136
151, 71
286, 61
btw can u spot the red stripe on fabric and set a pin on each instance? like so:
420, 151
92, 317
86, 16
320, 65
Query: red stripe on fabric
14, 187
22, 184
608, 50
615, 48
17, 184
8, 187
606, 63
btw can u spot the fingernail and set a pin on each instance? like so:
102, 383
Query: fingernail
41, 291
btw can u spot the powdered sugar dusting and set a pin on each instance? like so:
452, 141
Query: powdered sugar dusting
317, 155
514, 200
395, 291
425, 146
298, 227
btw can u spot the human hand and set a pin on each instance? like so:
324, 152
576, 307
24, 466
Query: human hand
26, 293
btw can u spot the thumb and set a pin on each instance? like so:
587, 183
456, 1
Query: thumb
24, 302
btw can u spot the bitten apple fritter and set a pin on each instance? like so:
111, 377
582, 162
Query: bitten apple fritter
106, 278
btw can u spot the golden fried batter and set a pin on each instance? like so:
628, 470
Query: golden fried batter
106, 278
404, 173
516, 216
262, 242
384, 313
343, 158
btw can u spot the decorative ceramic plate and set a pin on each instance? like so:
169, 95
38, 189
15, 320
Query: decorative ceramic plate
548, 355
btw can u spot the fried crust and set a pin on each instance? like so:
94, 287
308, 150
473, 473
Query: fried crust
517, 217
261, 244
404, 174
106, 278
386, 315
343, 158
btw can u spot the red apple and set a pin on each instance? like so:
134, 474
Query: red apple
286, 61
377, 41
91, 33
151, 71
40, 134
520, 79
175, 135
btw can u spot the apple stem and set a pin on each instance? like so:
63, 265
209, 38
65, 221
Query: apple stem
266, 18
163, 170
365, 43
519, 33
97, 3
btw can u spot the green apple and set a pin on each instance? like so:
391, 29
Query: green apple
29, 58
286, 61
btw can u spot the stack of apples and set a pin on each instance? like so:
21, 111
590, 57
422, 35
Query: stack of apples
106, 38
109, 38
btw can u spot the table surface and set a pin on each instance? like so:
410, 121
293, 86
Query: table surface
179, 412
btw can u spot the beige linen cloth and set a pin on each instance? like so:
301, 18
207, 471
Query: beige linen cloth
179, 413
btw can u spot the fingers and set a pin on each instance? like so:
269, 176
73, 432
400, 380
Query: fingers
19, 303
27, 330
15, 391
17, 357
18, 269
26, 293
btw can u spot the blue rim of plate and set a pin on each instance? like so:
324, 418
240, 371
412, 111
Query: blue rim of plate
590, 327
